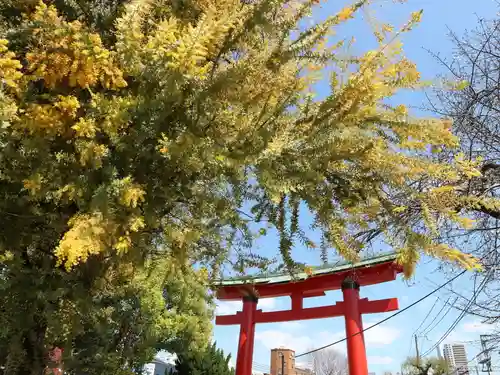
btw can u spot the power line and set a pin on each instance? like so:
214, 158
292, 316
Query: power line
429, 313
463, 312
467, 370
448, 331
460, 316
470, 302
386, 319
421, 324
428, 328
466, 299
477, 355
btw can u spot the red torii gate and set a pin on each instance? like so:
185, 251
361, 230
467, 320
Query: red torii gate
347, 277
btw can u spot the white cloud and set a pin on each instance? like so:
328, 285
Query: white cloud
479, 327
300, 343
231, 307
266, 303
381, 335
455, 336
227, 307
379, 360
304, 365
469, 331
291, 326
275, 338
295, 336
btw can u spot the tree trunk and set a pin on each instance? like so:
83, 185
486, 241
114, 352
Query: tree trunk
34, 345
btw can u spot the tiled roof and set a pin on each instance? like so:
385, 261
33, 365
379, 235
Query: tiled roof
275, 278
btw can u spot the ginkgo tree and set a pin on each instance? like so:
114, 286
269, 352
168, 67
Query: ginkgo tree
133, 133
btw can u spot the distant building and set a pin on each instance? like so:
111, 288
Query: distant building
456, 358
158, 367
283, 363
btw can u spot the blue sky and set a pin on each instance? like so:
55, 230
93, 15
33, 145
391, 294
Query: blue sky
390, 343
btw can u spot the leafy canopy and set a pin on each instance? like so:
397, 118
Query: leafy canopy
162, 130
133, 133
425, 366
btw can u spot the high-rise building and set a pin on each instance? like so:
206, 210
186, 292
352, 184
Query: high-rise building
456, 357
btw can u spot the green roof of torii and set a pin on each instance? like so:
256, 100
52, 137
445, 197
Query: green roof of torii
276, 278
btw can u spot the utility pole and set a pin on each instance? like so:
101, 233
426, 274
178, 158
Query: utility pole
485, 355
416, 350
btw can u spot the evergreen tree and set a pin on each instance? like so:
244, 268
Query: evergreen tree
212, 361
133, 133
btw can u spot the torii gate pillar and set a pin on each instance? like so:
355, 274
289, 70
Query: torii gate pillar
356, 351
348, 279
247, 335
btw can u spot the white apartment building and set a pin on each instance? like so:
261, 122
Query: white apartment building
456, 357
